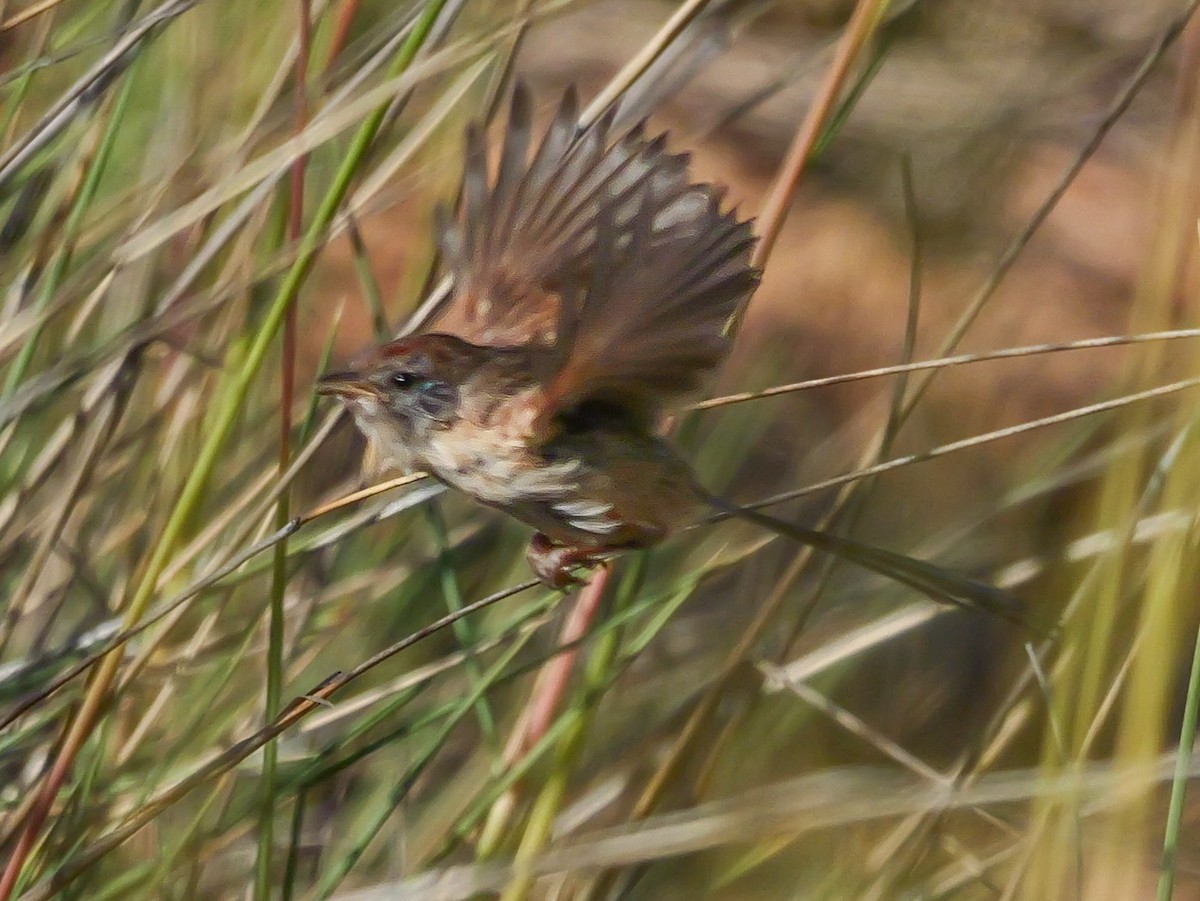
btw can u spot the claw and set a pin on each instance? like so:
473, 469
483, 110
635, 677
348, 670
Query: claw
553, 563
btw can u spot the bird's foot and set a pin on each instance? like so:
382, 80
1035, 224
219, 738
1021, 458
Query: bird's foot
552, 563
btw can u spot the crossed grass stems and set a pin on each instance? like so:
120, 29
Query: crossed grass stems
411, 62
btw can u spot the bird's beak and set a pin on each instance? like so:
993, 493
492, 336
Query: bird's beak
346, 384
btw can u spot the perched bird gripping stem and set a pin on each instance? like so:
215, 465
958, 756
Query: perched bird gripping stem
594, 284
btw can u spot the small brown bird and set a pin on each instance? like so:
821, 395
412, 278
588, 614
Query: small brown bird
593, 285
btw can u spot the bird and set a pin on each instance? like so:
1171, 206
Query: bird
595, 286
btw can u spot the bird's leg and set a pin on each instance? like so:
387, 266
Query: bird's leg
552, 563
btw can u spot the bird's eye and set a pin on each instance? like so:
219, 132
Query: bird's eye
403, 379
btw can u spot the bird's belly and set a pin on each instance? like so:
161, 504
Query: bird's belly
551, 496
604, 500
501, 474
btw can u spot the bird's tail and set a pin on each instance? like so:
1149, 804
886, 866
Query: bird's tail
942, 585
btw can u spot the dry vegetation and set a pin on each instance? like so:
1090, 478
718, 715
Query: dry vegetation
218, 681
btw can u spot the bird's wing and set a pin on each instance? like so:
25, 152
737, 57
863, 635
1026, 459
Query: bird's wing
515, 236
653, 319
525, 241
598, 247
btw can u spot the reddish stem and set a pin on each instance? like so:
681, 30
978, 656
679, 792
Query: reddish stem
341, 30
552, 681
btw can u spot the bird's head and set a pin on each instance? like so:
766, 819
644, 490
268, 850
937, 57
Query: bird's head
403, 391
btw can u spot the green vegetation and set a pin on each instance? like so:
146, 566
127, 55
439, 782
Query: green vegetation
217, 679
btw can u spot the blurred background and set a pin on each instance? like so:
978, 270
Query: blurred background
204, 204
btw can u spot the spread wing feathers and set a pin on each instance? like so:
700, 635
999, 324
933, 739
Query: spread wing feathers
523, 240
652, 321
